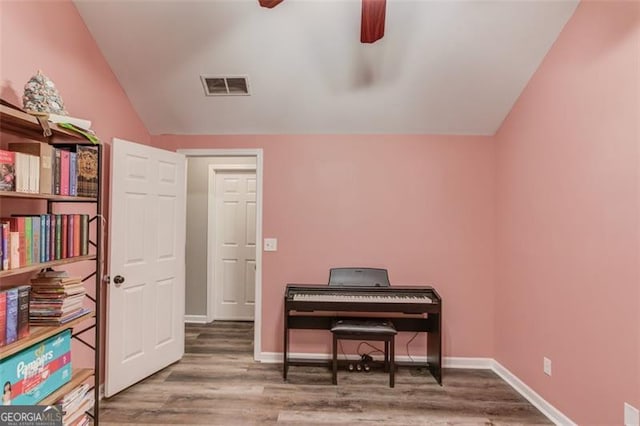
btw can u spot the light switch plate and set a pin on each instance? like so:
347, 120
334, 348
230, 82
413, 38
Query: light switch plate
270, 244
546, 367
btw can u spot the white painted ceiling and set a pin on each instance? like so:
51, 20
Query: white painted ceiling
443, 67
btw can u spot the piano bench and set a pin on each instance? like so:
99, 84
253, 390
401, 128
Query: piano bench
366, 329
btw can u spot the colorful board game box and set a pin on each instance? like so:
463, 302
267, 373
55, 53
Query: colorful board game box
31, 375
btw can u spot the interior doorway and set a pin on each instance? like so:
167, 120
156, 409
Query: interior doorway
231, 241
205, 267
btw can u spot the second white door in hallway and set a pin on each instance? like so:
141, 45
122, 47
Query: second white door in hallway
234, 263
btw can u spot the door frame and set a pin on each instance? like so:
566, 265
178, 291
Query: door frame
214, 170
258, 154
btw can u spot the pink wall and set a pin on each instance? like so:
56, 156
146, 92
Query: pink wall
567, 245
564, 188
421, 206
52, 37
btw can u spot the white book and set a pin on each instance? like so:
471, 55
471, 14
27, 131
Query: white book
22, 172
84, 406
78, 122
75, 396
34, 174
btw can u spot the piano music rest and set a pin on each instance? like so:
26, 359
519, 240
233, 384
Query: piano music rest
382, 331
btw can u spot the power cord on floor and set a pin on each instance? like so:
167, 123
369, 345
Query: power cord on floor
375, 349
411, 340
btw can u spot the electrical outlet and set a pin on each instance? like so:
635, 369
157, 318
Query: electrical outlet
631, 415
270, 244
547, 366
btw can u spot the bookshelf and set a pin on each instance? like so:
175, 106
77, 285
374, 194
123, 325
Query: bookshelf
39, 333
54, 198
23, 125
45, 265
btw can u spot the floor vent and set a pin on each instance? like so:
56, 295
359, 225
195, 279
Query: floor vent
225, 86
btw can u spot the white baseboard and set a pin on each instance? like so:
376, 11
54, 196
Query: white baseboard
196, 319
472, 363
552, 413
449, 362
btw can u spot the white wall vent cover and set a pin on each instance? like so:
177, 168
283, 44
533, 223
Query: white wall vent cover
225, 86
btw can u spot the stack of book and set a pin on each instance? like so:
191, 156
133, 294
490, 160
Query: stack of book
75, 404
56, 298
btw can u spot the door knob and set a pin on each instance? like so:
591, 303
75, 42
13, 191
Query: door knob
118, 280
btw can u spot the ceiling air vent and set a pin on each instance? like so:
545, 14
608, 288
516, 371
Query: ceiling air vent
225, 86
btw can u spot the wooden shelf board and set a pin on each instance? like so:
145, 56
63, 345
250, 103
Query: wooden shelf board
23, 124
13, 194
78, 377
39, 333
39, 266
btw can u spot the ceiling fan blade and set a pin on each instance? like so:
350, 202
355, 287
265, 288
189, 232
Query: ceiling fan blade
269, 3
372, 25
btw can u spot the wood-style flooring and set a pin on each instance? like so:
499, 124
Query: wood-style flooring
218, 383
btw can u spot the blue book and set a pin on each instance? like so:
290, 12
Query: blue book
73, 173
58, 235
43, 238
35, 238
47, 238
12, 315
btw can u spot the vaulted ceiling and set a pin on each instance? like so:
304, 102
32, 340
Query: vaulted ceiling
442, 67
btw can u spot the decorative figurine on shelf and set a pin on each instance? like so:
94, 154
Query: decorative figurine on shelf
41, 96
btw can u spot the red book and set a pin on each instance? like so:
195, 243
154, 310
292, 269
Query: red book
52, 238
64, 236
64, 172
3, 318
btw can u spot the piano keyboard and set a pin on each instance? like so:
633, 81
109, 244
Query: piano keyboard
361, 298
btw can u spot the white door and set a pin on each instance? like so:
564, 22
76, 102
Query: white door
235, 245
145, 312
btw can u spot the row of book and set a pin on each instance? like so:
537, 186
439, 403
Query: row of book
39, 168
28, 240
14, 314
